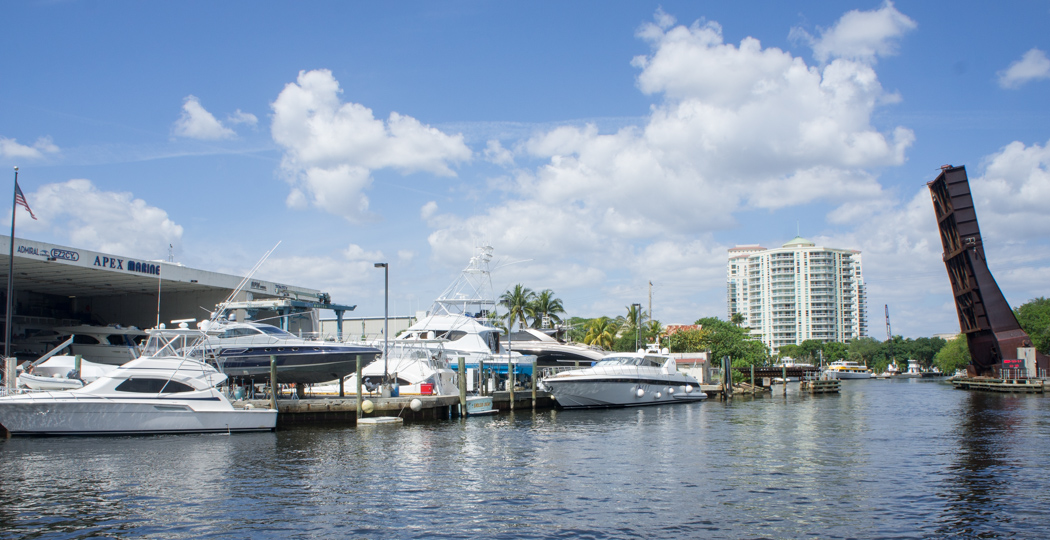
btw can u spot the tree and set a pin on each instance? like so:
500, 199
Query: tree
737, 319
834, 350
601, 332
953, 356
788, 351
864, 350
691, 340
517, 302
809, 348
545, 306
924, 350
726, 339
1034, 318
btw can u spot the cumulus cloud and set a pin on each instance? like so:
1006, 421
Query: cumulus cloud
860, 35
12, 149
331, 147
1013, 193
197, 123
734, 127
1034, 65
114, 222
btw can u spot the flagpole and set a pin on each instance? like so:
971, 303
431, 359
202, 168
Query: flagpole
10, 272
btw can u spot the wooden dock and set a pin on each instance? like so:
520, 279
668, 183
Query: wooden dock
1027, 386
829, 386
335, 410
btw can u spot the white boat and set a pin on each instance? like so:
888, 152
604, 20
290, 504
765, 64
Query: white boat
416, 367
113, 344
160, 392
60, 373
844, 369
624, 380
462, 316
551, 352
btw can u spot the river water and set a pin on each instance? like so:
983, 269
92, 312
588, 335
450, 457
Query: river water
882, 459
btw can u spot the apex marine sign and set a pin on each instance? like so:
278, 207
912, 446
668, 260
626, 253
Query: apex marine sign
132, 266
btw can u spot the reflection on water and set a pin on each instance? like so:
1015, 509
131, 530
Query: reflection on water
886, 459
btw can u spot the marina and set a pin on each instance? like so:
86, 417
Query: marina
777, 466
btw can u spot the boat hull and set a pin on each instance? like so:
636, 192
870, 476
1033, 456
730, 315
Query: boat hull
22, 415
621, 392
844, 375
303, 367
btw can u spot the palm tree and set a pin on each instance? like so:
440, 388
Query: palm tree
545, 307
601, 332
634, 317
517, 302
737, 319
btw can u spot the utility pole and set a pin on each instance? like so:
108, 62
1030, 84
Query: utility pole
889, 334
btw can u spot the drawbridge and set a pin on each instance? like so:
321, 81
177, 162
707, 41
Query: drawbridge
999, 347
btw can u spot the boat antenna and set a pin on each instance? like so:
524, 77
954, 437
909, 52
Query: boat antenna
221, 308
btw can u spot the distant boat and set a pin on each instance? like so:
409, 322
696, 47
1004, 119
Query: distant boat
844, 369
60, 373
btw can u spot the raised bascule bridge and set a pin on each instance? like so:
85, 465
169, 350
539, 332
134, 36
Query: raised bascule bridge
999, 348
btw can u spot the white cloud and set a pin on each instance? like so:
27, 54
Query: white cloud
428, 210
12, 149
1034, 65
1013, 193
737, 128
241, 117
331, 148
860, 35
495, 153
197, 123
113, 222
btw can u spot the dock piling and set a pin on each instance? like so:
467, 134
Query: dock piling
462, 387
273, 382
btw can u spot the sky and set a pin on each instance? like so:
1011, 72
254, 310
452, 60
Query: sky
597, 146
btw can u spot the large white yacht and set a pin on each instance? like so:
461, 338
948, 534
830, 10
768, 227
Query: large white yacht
163, 391
625, 380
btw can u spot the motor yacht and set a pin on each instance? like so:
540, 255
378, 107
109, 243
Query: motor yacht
845, 369
625, 380
163, 391
243, 350
550, 351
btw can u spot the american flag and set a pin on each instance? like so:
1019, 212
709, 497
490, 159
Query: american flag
21, 199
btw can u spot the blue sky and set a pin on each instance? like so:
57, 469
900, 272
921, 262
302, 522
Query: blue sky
597, 146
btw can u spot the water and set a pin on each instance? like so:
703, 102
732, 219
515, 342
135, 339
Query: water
883, 459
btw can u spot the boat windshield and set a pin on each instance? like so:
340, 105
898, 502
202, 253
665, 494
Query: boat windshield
273, 330
647, 361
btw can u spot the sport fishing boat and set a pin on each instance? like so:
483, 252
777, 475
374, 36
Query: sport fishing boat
243, 350
463, 317
625, 380
844, 369
163, 391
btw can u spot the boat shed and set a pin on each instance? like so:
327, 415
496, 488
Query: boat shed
57, 286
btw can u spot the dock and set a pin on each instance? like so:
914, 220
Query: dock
343, 410
820, 386
1027, 386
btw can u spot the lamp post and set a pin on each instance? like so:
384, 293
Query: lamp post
637, 325
386, 318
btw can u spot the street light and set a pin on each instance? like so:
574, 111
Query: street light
386, 318
637, 325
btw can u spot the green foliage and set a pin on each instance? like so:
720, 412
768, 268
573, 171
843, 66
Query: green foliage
685, 341
601, 332
953, 356
865, 350
517, 301
726, 339
834, 351
1034, 318
545, 304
